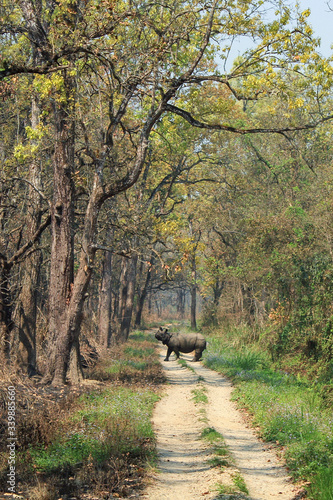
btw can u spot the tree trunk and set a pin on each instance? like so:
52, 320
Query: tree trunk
6, 323
62, 257
143, 295
181, 294
193, 292
122, 293
126, 298
64, 353
25, 313
105, 302
129, 304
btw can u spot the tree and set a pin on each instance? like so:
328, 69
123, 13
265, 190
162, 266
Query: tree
134, 63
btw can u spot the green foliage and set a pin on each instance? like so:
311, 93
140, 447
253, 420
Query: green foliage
235, 362
323, 487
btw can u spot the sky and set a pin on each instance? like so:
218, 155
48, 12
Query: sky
320, 19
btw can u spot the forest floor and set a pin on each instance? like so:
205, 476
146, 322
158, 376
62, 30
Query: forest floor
184, 470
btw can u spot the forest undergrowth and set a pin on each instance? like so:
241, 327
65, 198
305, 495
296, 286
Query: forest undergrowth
91, 442
291, 409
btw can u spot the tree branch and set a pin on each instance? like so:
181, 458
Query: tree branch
228, 128
31, 242
38, 70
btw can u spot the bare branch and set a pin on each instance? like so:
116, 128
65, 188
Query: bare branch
30, 243
41, 194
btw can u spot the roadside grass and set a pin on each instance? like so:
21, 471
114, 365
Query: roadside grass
112, 423
97, 441
132, 362
288, 410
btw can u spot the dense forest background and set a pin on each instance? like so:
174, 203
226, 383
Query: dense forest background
144, 174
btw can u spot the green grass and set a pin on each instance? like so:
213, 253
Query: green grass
200, 395
182, 362
140, 336
221, 456
230, 493
112, 423
139, 353
99, 442
240, 483
115, 422
288, 410
136, 361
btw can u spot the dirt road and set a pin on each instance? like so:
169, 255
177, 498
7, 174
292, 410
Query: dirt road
183, 471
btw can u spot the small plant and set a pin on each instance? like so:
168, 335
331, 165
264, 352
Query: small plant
218, 462
219, 449
323, 489
239, 482
200, 395
229, 492
210, 434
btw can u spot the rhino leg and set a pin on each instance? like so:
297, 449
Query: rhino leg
197, 355
176, 351
169, 351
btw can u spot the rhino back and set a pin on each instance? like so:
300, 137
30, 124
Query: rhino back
187, 342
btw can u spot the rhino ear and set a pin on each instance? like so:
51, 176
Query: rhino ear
166, 330
161, 329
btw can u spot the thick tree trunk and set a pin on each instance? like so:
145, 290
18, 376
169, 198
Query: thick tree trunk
62, 260
25, 315
105, 302
64, 353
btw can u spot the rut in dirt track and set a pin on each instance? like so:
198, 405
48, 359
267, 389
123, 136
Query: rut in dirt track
184, 473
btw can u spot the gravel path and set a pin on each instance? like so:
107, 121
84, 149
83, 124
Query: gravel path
183, 471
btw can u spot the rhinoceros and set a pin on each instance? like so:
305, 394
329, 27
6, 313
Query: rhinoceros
179, 342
